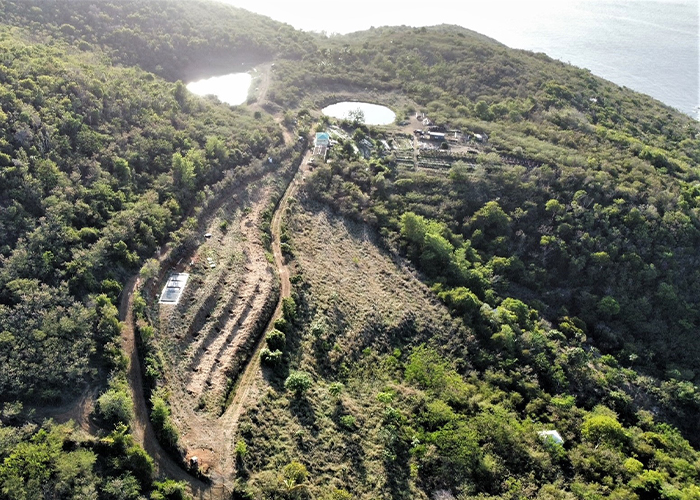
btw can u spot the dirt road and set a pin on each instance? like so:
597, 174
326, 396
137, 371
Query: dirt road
247, 384
226, 426
223, 429
263, 71
141, 426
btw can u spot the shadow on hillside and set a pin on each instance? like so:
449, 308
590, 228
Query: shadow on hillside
302, 409
397, 477
352, 446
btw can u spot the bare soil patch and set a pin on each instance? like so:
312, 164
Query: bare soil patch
206, 339
79, 409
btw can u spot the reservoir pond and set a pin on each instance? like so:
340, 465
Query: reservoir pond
231, 89
374, 114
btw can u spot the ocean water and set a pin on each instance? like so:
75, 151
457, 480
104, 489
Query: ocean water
652, 46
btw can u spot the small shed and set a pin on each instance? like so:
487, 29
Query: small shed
551, 436
322, 139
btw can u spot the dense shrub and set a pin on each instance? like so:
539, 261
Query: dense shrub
298, 382
115, 406
271, 358
276, 340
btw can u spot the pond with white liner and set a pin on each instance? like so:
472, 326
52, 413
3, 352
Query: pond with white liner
373, 114
231, 89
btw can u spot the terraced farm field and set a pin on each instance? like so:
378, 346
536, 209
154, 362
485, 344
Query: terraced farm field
208, 337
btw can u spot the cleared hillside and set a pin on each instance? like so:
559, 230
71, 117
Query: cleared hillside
353, 301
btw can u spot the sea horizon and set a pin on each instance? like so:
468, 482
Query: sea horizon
650, 46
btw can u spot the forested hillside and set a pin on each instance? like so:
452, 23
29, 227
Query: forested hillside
175, 40
100, 164
608, 207
440, 318
565, 244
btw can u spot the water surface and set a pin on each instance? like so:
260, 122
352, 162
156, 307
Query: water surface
374, 114
651, 46
231, 89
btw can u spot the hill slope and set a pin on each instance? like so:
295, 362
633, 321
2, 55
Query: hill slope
449, 304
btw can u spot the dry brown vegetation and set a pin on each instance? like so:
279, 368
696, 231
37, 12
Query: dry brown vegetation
369, 296
355, 300
206, 339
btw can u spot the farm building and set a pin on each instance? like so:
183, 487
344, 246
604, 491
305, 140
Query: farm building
436, 136
322, 139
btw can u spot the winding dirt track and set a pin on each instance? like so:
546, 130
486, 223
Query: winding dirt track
141, 426
263, 71
252, 373
142, 429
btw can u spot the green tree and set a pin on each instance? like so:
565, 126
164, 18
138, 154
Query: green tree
491, 220
294, 475
115, 406
338, 495
555, 208
602, 427
356, 116
437, 253
413, 228
271, 358
183, 173
160, 416
608, 306
276, 340
461, 300
298, 382
289, 309
124, 487
459, 172
169, 490
336, 389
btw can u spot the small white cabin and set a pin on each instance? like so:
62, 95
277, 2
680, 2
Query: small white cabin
551, 435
